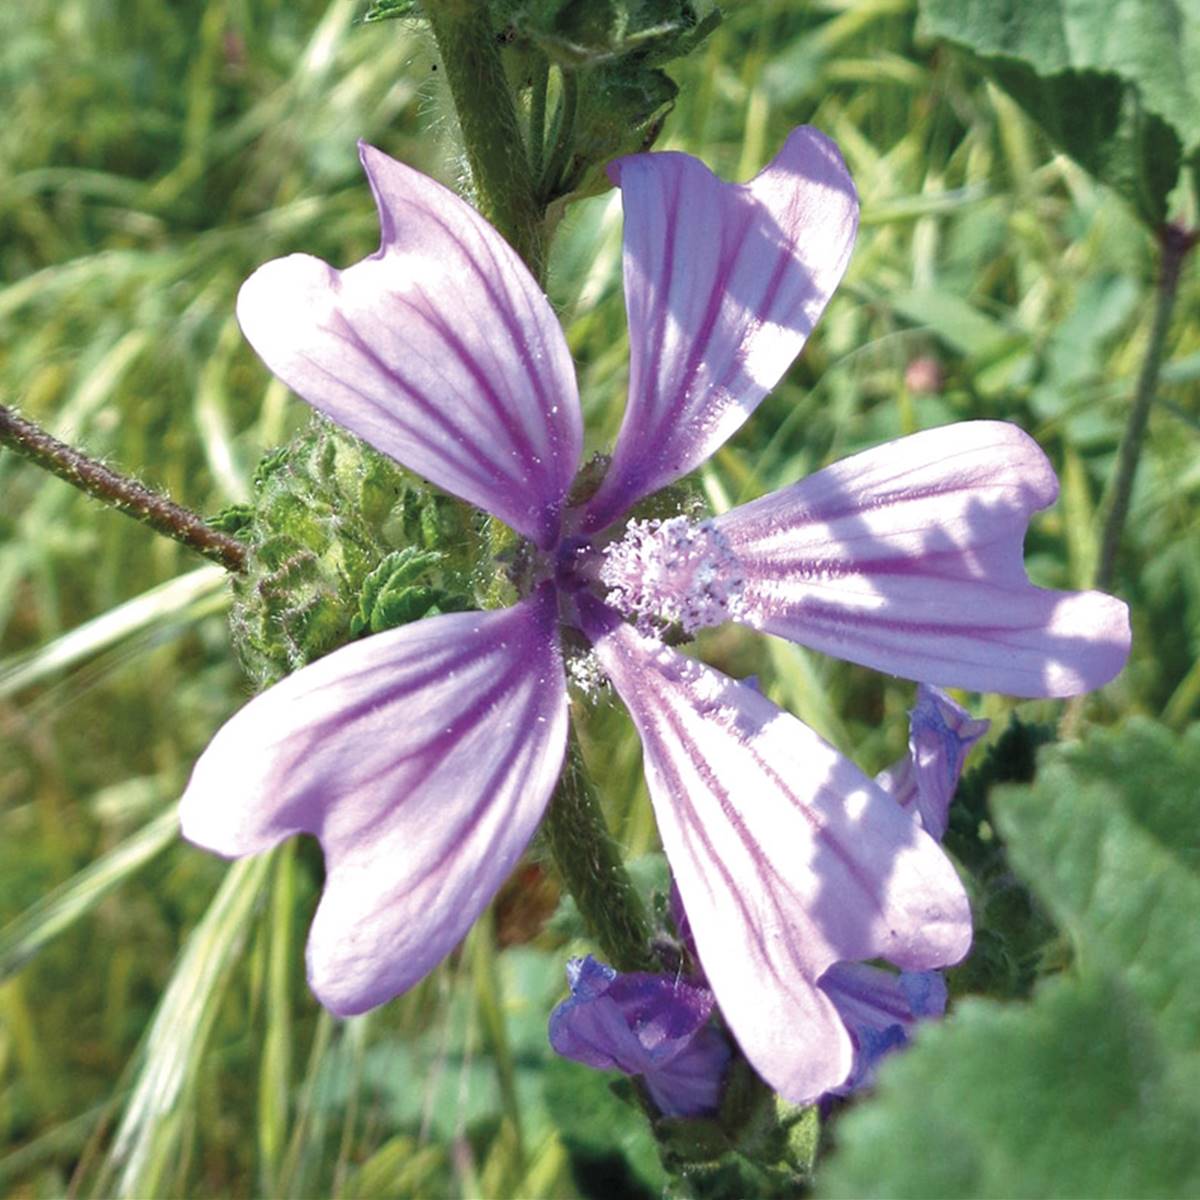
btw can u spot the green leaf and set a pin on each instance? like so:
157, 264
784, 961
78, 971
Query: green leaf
955, 321
398, 591
1113, 83
1108, 835
329, 514
587, 33
1068, 1096
1090, 1089
605, 1137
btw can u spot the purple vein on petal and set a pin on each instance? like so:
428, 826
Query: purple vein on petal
909, 558
422, 759
723, 283
439, 349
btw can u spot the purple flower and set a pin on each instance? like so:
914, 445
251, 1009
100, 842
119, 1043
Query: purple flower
423, 757
647, 1025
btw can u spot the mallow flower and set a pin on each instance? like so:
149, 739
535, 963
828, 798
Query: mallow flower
423, 757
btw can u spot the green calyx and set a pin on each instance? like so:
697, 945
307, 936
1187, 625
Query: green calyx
614, 96
343, 543
586, 33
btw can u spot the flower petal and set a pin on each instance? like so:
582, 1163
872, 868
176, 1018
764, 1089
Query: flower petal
422, 758
787, 857
439, 349
723, 284
908, 558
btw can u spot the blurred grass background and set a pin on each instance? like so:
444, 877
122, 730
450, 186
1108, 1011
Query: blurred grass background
156, 1036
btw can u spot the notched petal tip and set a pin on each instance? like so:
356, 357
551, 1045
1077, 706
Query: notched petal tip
422, 759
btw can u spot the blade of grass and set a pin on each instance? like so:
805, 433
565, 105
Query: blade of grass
274, 1082
148, 1137
197, 592
21, 939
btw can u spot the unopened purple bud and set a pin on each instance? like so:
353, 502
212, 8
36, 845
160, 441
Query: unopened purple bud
940, 735
654, 1026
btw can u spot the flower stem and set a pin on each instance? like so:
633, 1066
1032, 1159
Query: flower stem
589, 861
118, 491
1176, 242
491, 131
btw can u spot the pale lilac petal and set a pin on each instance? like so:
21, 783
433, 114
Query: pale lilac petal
787, 857
723, 284
653, 1026
881, 1009
440, 350
422, 758
940, 735
909, 558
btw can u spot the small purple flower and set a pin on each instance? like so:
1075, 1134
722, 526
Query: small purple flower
423, 757
647, 1025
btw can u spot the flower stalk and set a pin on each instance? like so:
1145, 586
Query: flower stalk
119, 491
1176, 242
491, 130
589, 861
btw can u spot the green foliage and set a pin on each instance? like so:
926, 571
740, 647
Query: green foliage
1014, 936
757, 1145
1108, 837
1088, 1090
586, 33
340, 544
395, 592
390, 10
621, 111
1115, 84
608, 1139
614, 96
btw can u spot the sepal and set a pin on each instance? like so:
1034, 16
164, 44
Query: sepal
327, 517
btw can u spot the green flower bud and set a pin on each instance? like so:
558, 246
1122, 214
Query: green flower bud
342, 543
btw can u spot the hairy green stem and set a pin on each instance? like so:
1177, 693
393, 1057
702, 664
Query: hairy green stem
589, 861
1176, 242
491, 131
118, 491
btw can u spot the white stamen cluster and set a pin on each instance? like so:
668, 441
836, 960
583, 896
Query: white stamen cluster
585, 674
674, 572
